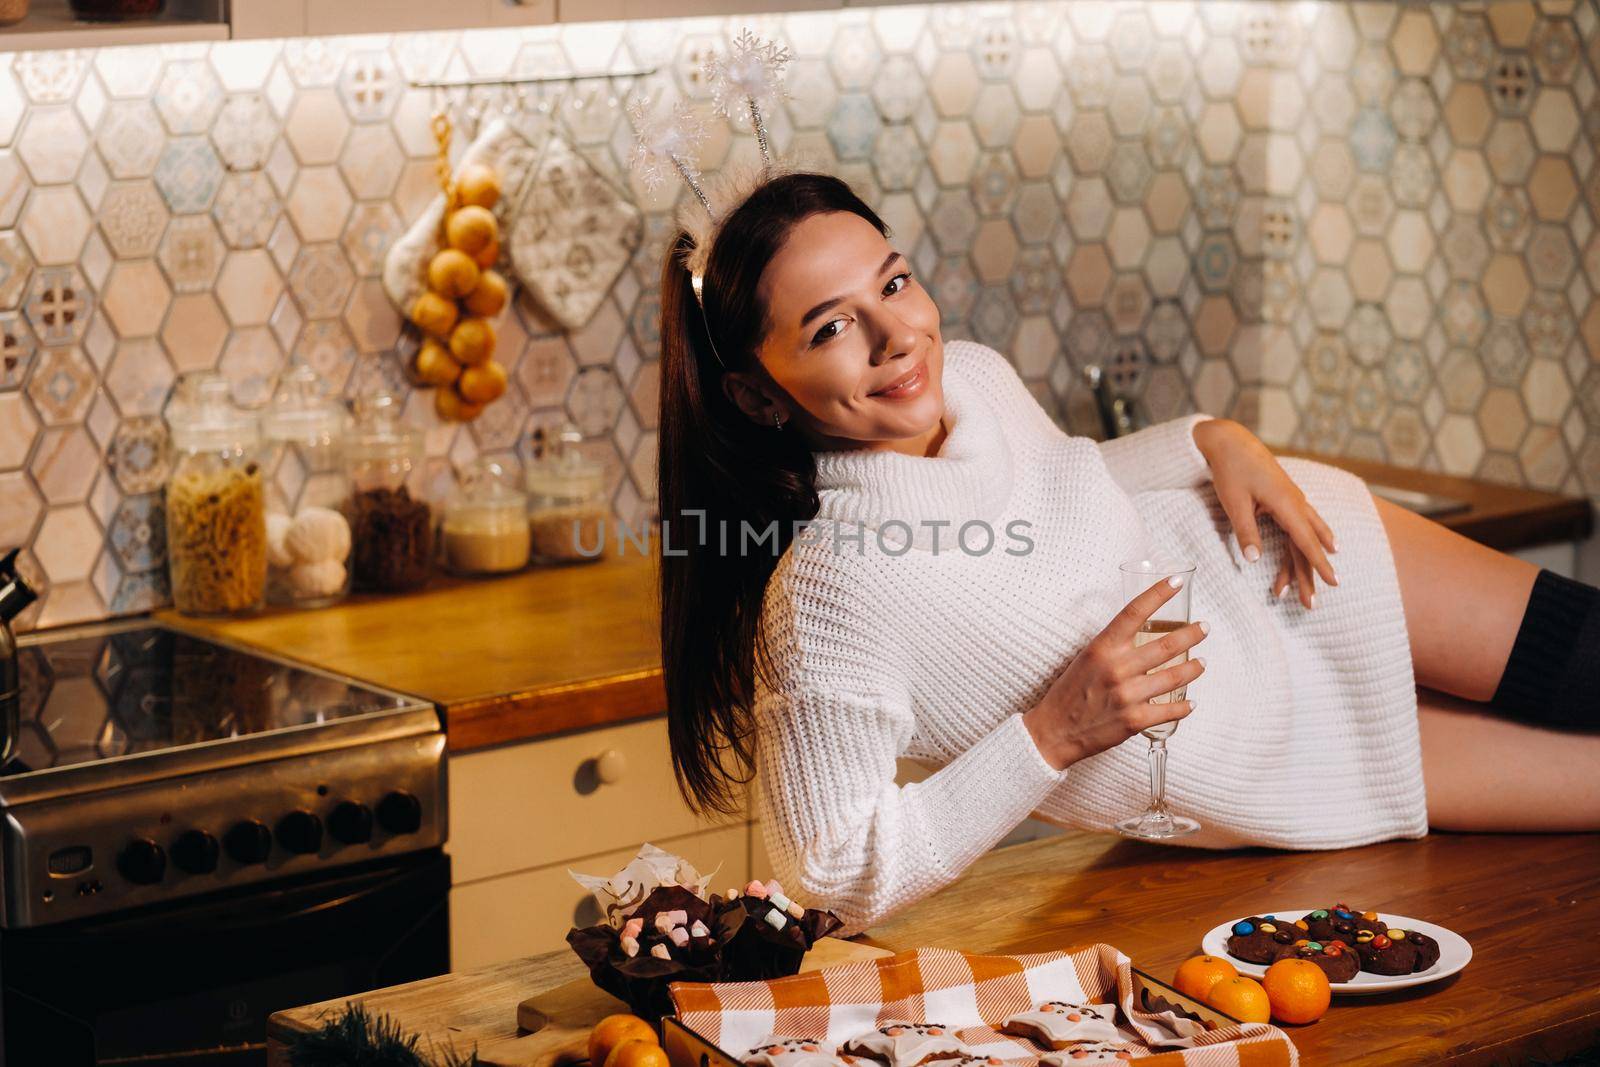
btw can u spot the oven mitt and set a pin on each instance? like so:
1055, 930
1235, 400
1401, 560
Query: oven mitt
572, 234
405, 267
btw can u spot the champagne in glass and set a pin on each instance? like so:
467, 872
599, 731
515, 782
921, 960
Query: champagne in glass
1156, 823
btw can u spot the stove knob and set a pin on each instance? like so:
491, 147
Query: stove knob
300, 831
400, 813
195, 851
142, 862
248, 842
350, 823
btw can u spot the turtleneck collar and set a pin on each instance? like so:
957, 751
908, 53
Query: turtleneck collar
970, 478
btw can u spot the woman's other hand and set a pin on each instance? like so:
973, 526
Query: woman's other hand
1250, 481
1104, 695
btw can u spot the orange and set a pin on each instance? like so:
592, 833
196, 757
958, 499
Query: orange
638, 1054
490, 295
482, 383
612, 1031
1242, 998
452, 273
478, 184
472, 341
490, 254
434, 314
451, 408
435, 365
1298, 990
471, 229
1198, 974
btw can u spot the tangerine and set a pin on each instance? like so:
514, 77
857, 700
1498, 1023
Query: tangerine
483, 382
636, 1053
1298, 991
472, 341
435, 365
452, 273
435, 314
477, 183
612, 1031
1198, 974
471, 229
489, 296
1242, 998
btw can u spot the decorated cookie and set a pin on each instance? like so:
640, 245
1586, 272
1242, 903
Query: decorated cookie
1340, 923
1088, 1052
777, 1051
1258, 938
1397, 951
973, 1061
1337, 960
1055, 1024
906, 1044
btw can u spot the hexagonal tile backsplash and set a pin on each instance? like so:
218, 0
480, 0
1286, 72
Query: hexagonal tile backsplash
1362, 229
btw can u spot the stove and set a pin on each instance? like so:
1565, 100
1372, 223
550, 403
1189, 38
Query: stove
152, 765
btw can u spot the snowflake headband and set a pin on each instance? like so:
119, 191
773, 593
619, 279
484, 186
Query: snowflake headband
750, 75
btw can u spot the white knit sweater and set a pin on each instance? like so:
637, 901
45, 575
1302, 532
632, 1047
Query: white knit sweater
1305, 730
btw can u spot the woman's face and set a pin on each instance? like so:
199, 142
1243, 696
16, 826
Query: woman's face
853, 351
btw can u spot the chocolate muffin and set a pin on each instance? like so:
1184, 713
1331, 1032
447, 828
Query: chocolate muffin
1339, 962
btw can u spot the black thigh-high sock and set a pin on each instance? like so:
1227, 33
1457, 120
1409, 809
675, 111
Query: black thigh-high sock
1552, 677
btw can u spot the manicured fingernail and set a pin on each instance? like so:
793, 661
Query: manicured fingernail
1333, 547
1205, 627
1283, 591
1176, 581
1202, 661
1252, 553
1311, 601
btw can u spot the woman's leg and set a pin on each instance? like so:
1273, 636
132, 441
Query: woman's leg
1492, 774
1463, 601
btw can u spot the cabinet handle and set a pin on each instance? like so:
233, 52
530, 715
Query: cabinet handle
610, 766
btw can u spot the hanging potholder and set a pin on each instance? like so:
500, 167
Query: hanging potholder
572, 234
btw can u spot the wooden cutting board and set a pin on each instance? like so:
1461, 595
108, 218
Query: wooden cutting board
557, 1022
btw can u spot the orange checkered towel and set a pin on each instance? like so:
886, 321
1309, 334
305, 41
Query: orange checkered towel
971, 996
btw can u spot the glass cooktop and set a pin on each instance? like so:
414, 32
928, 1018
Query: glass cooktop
99, 695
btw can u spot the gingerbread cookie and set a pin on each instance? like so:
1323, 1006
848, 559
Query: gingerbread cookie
1055, 1024
900, 1043
1090, 1052
1337, 960
776, 1051
1397, 951
1258, 938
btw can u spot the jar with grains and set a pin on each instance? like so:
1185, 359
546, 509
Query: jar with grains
567, 505
485, 527
308, 536
216, 506
391, 523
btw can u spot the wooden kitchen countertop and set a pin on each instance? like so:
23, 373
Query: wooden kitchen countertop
561, 648
1528, 905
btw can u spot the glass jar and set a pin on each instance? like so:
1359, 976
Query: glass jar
216, 504
567, 506
391, 523
485, 528
308, 536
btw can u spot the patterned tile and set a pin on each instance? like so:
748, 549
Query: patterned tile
245, 131
191, 253
132, 217
188, 174
59, 304
62, 385
188, 96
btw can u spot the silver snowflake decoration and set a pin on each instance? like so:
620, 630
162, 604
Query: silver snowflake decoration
666, 145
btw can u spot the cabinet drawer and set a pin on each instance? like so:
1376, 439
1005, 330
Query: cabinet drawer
528, 805
530, 912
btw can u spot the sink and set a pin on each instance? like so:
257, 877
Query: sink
1429, 504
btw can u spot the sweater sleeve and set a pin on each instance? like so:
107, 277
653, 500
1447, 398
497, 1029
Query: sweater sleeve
842, 833
1163, 456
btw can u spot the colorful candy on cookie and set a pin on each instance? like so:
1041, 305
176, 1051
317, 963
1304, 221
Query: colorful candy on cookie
901, 1043
1340, 923
1397, 951
1091, 1052
1256, 939
1055, 1024
776, 1051
1337, 960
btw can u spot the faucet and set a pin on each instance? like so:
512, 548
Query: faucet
14, 596
1119, 415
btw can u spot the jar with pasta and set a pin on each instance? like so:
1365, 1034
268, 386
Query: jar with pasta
308, 536
216, 506
567, 506
391, 522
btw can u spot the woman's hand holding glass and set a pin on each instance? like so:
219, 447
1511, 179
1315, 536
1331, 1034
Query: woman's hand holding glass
1104, 696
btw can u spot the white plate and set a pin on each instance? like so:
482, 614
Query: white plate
1454, 952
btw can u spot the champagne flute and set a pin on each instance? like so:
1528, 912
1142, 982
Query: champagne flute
1156, 823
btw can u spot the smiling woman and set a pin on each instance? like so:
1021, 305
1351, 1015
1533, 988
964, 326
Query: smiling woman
890, 550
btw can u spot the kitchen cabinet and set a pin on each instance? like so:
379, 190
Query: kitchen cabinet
292, 18
522, 814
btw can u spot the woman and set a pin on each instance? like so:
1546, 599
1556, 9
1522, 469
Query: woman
813, 384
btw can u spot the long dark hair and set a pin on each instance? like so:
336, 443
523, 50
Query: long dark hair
714, 460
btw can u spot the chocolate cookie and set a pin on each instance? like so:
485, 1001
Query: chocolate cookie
1340, 923
1397, 951
1258, 938
1339, 962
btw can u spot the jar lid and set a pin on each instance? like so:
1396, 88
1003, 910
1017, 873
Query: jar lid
202, 416
378, 433
487, 490
301, 412
561, 469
